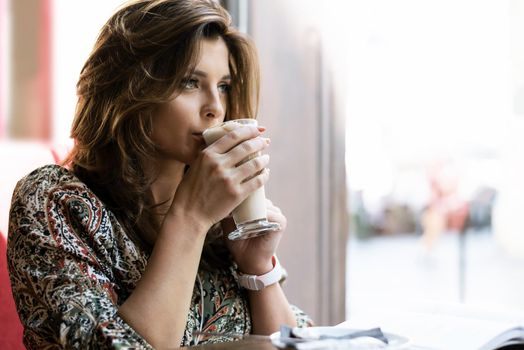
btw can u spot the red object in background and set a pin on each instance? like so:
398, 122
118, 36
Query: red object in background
10, 326
44, 62
458, 216
445, 181
3, 14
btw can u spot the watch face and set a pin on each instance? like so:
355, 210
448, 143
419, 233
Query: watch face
259, 285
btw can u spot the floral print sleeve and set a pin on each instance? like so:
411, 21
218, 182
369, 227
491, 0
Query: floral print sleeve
58, 254
303, 320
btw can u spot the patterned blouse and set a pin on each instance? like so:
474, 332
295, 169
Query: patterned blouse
71, 265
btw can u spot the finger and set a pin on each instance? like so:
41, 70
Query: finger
271, 206
256, 181
273, 216
236, 136
246, 150
251, 168
274, 208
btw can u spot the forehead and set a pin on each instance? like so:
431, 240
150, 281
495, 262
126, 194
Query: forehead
214, 55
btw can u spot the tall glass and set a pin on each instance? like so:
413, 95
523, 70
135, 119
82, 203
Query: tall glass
251, 215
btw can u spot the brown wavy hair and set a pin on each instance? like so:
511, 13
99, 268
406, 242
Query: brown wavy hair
139, 61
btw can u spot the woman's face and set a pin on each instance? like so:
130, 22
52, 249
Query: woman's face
202, 103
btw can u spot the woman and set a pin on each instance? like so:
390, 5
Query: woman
124, 247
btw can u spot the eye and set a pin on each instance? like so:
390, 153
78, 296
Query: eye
224, 88
190, 83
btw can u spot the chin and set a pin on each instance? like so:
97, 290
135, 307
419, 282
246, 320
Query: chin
190, 161
190, 157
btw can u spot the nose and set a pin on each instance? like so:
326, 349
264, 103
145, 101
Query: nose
214, 105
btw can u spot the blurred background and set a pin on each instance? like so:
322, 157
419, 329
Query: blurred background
396, 126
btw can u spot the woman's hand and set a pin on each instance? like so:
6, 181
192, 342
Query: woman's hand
253, 255
214, 186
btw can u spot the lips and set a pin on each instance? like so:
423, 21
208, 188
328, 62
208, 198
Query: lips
198, 136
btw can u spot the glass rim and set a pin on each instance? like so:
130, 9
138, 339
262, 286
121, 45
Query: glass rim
244, 121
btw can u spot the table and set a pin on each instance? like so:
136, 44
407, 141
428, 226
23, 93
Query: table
431, 326
261, 345
440, 325
254, 344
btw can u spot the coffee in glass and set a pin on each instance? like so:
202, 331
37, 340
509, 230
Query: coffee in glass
251, 215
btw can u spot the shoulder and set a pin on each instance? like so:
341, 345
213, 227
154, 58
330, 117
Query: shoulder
52, 193
47, 184
55, 213
45, 179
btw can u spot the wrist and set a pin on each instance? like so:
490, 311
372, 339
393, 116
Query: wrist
188, 219
259, 282
256, 269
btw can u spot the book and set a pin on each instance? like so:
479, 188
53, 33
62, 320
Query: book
448, 327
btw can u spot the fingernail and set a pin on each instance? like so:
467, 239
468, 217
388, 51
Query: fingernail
261, 128
268, 140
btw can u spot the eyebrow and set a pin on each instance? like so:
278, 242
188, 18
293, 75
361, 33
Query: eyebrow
204, 75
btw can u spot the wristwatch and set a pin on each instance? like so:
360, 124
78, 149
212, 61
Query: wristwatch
254, 282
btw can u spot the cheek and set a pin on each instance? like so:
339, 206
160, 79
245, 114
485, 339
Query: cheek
184, 104
166, 126
173, 116
225, 105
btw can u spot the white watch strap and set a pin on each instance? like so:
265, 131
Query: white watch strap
254, 282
